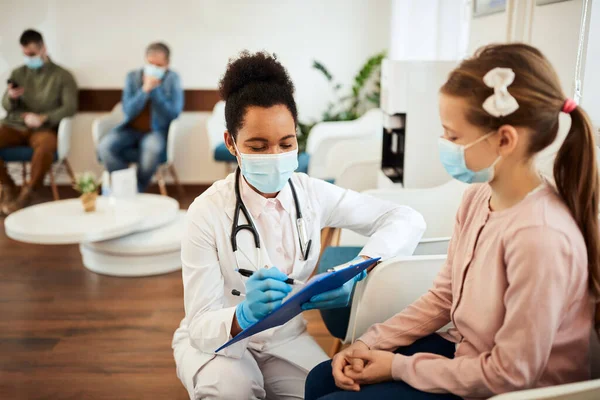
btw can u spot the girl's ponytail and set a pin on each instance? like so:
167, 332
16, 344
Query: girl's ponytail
576, 177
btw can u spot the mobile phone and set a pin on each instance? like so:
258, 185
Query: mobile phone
13, 83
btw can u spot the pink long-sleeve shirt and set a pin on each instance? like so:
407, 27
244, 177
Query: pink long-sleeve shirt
515, 286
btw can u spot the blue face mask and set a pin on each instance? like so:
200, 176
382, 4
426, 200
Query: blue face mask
452, 156
268, 173
34, 62
153, 70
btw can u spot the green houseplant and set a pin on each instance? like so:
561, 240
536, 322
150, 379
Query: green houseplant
87, 185
348, 105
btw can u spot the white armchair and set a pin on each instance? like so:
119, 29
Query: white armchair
101, 126
354, 163
65, 130
215, 128
215, 125
390, 288
324, 135
438, 205
587, 390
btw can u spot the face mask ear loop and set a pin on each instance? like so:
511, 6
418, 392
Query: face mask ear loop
496, 161
498, 156
481, 139
239, 154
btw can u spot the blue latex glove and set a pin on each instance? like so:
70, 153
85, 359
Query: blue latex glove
336, 298
265, 290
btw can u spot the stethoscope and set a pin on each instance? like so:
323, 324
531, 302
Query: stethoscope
305, 244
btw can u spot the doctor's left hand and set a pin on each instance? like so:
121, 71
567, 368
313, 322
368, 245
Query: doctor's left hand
336, 298
265, 290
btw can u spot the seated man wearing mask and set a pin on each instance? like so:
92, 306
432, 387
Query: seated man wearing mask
40, 94
152, 98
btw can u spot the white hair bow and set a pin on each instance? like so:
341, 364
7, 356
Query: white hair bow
501, 103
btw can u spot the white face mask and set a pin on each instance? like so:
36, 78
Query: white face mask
34, 62
268, 173
452, 156
153, 70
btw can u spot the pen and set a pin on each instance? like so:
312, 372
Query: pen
247, 273
236, 292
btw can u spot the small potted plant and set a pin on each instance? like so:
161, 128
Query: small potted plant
87, 185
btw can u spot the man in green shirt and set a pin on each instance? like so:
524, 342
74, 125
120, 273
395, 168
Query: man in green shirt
40, 94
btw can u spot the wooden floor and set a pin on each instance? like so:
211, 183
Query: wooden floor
68, 333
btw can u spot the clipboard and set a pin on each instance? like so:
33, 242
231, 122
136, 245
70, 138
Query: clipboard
293, 306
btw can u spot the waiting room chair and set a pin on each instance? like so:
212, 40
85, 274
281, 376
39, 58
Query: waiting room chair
355, 163
23, 155
325, 135
215, 126
438, 206
391, 287
587, 390
101, 126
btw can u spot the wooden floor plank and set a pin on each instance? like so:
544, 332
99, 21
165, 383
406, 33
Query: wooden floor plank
68, 333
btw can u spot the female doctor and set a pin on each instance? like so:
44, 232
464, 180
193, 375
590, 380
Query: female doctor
266, 219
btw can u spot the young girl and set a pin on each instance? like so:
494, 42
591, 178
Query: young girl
523, 265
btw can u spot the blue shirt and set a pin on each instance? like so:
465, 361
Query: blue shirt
166, 100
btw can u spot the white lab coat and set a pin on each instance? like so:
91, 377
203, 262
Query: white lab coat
209, 266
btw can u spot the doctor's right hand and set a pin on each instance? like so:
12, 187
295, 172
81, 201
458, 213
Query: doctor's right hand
265, 290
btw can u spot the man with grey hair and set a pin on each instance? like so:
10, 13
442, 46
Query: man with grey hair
152, 98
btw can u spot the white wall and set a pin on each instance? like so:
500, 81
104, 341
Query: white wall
101, 40
591, 78
487, 29
555, 31
425, 30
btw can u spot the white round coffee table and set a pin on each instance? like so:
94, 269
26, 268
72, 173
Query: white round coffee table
158, 210
147, 253
65, 221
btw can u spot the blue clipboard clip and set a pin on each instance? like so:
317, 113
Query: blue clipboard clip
321, 283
